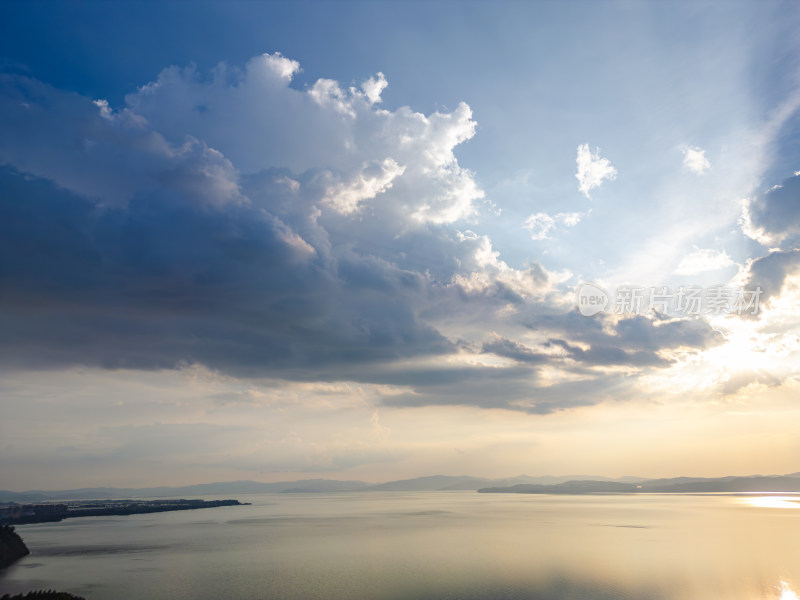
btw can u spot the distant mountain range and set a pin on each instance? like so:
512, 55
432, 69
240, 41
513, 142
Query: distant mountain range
572, 484
677, 485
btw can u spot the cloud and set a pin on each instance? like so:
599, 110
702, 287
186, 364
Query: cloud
773, 217
771, 271
592, 169
234, 222
374, 86
611, 355
104, 155
161, 281
516, 351
541, 225
258, 122
695, 160
489, 276
702, 260
632, 334
513, 392
373, 179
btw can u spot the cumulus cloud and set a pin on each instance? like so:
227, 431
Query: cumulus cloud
209, 221
152, 251
541, 225
592, 169
371, 180
258, 121
108, 156
702, 260
374, 86
488, 275
695, 160
232, 221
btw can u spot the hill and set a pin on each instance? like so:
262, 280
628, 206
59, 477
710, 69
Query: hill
678, 485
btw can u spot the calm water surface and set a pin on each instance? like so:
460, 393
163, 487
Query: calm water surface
431, 546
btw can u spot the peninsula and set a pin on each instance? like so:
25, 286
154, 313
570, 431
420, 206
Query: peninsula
19, 514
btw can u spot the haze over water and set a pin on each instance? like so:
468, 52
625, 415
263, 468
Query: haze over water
430, 545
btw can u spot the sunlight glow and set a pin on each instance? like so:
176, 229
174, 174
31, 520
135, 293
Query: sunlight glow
774, 502
786, 592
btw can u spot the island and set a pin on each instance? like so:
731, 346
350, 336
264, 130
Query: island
20, 514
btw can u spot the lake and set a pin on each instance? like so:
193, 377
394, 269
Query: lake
427, 546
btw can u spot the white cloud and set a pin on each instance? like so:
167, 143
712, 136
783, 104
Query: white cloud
702, 260
373, 87
756, 232
695, 160
541, 225
257, 121
572, 219
486, 271
592, 169
328, 94
285, 68
372, 179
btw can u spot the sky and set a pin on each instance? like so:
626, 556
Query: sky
381, 240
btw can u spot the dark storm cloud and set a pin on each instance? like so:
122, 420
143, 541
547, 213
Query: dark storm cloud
121, 248
161, 282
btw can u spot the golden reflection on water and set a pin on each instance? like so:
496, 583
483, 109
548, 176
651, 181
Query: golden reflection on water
774, 502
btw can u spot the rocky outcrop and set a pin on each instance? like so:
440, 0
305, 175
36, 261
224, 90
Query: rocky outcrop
12, 548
